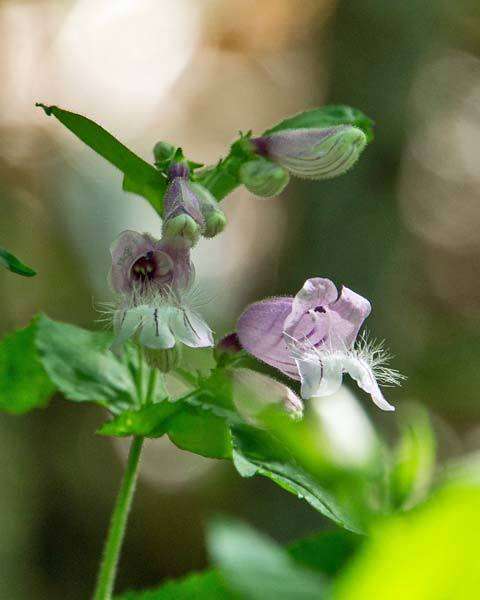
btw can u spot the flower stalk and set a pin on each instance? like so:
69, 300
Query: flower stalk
118, 523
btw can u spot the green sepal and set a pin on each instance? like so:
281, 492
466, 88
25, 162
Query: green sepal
327, 116
140, 177
14, 264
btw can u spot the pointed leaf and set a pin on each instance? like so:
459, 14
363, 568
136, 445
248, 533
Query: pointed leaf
140, 177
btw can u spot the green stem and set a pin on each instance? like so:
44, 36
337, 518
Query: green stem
118, 522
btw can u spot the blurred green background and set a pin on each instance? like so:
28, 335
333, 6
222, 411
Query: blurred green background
401, 228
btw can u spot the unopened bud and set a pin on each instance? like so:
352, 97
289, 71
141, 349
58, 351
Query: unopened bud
253, 392
163, 360
182, 226
215, 220
163, 152
263, 177
229, 345
316, 153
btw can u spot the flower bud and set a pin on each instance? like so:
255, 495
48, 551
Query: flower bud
214, 218
181, 214
163, 360
315, 153
163, 152
229, 345
263, 177
253, 392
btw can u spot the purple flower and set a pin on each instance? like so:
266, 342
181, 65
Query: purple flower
142, 265
189, 208
158, 299
312, 336
313, 153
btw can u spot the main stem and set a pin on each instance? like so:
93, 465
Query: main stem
118, 522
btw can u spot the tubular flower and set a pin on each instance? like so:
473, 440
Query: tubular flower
313, 338
264, 178
313, 153
189, 208
158, 298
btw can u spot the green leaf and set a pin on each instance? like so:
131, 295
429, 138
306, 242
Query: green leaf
327, 116
24, 384
300, 468
149, 421
428, 553
140, 177
81, 365
201, 432
197, 586
257, 567
12, 263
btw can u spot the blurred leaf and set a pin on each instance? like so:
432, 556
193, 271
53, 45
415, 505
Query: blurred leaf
24, 384
201, 432
428, 553
327, 116
414, 459
81, 365
12, 263
197, 586
256, 453
149, 421
140, 177
257, 567
326, 552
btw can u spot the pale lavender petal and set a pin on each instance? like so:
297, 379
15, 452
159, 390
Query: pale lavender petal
319, 376
261, 332
347, 315
308, 319
155, 332
190, 329
125, 250
183, 272
359, 370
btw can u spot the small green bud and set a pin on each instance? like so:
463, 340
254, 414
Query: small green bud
163, 152
214, 218
182, 225
263, 178
163, 360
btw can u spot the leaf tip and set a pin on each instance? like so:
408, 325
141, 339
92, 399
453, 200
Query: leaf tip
48, 109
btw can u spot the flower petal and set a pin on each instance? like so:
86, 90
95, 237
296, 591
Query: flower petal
180, 199
319, 377
125, 324
155, 332
190, 329
347, 315
261, 332
125, 250
359, 370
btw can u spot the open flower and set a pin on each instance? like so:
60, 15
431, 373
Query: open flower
312, 338
313, 153
189, 208
158, 299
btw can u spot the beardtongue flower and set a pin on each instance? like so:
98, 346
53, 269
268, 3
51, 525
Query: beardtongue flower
263, 178
158, 299
189, 209
312, 338
313, 153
